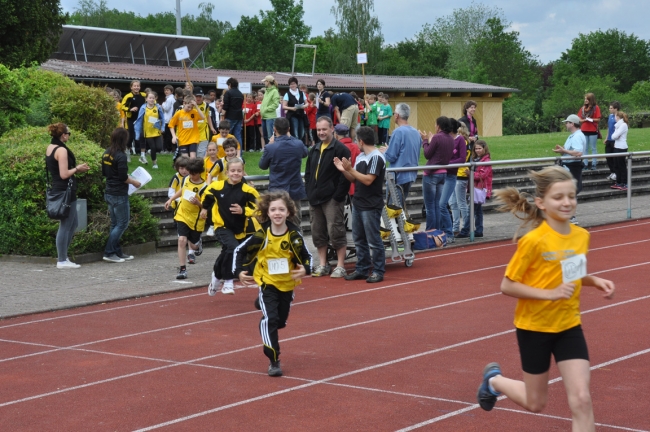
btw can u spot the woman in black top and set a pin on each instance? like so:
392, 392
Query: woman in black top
115, 169
294, 105
322, 100
62, 165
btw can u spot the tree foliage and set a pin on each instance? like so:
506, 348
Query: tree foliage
29, 30
625, 58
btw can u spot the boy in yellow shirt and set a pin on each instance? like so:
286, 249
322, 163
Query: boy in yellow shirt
187, 121
224, 133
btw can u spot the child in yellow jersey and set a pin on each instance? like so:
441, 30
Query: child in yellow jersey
130, 106
231, 203
189, 223
220, 138
180, 165
210, 163
149, 128
117, 95
279, 259
187, 121
546, 274
219, 170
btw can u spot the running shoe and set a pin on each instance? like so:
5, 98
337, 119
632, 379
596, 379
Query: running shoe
67, 264
274, 369
622, 186
199, 251
113, 259
487, 398
182, 274
125, 257
339, 272
155, 166
228, 288
321, 271
191, 259
213, 287
210, 232
143, 159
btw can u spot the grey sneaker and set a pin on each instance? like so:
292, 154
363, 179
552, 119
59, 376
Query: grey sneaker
199, 251
321, 271
182, 274
125, 257
487, 399
338, 272
274, 369
143, 159
113, 259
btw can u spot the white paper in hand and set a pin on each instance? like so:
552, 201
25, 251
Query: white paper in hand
141, 175
574, 268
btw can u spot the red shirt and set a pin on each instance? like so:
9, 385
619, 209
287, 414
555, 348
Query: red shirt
588, 126
311, 110
252, 109
258, 119
354, 152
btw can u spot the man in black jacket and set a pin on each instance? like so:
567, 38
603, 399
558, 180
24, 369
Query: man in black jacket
327, 189
233, 100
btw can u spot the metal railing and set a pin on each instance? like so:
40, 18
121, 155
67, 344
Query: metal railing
472, 167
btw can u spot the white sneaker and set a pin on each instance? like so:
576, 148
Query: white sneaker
155, 166
210, 231
214, 285
227, 288
613, 177
67, 264
143, 159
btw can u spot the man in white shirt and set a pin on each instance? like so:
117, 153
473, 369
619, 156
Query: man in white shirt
574, 146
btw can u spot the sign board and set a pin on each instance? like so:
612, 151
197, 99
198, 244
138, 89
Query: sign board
182, 53
362, 58
221, 82
245, 88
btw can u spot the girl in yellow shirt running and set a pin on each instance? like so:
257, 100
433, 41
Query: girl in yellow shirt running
546, 274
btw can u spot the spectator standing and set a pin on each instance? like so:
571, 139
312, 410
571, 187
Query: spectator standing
326, 189
404, 149
342, 133
323, 100
384, 113
260, 136
311, 110
168, 112
371, 109
459, 156
347, 110
283, 158
115, 169
269, 106
293, 104
620, 146
614, 108
469, 109
233, 100
250, 117
438, 149
574, 146
589, 117
62, 166
461, 210
482, 180
367, 205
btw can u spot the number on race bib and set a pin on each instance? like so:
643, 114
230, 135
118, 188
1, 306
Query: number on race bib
278, 266
574, 268
188, 124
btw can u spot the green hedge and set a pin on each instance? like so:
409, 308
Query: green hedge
25, 228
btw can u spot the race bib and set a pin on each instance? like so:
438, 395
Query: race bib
278, 266
381, 113
188, 124
220, 141
152, 119
574, 268
188, 194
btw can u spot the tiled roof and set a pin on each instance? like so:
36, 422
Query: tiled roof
124, 72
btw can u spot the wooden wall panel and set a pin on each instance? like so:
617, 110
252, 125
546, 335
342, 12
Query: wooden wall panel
491, 119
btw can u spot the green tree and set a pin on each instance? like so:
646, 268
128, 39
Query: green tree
415, 57
358, 31
625, 58
29, 31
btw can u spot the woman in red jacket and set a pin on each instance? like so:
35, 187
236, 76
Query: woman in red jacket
482, 180
589, 117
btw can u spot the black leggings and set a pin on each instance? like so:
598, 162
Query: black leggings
133, 144
155, 144
223, 265
620, 167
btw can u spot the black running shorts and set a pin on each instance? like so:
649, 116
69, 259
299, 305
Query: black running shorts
535, 348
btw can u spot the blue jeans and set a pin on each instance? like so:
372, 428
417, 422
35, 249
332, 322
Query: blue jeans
447, 192
235, 129
267, 128
478, 221
432, 186
367, 240
120, 211
67, 227
592, 148
460, 197
297, 127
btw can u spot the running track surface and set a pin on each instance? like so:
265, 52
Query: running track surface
405, 354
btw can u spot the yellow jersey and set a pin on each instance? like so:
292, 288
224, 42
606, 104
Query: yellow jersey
212, 168
537, 263
187, 212
221, 153
175, 186
151, 116
187, 124
204, 130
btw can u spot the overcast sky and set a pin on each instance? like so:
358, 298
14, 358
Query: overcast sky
546, 27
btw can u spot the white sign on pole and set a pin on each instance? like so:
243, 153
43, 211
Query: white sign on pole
221, 82
182, 53
245, 88
362, 58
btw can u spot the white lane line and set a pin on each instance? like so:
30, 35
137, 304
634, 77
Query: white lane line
100, 311
619, 227
568, 419
476, 406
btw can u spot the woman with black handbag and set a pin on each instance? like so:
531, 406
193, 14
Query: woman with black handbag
62, 166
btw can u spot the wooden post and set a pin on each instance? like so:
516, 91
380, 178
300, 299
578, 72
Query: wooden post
363, 72
187, 76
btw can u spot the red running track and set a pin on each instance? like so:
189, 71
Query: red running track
405, 354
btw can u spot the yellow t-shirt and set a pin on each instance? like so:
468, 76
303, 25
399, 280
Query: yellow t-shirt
536, 263
187, 212
204, 130
175, 184
118, 106
187, 124
221, 153
211, 168
151, 116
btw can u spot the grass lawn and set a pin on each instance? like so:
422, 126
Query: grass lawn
501, 148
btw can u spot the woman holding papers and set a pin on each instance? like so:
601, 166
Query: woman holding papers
115, 169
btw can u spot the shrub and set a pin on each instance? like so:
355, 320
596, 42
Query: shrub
87, 109
25, 228
13, 105
38, 82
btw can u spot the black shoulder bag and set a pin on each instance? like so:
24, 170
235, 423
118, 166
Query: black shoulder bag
57, 203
